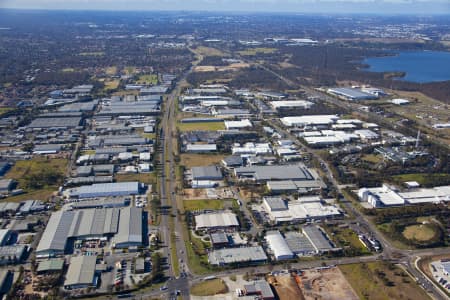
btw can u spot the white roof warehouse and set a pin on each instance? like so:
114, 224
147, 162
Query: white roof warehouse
105, 190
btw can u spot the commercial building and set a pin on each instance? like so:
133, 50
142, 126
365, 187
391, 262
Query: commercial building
260, 289
291, 104
278, 246
244, 255
299, 244
201, 148
206, 173
55, 123
301, 186
105, 190
81, 273
216, 221
54, 265
251, 149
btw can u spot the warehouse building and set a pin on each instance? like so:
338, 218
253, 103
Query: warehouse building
201, 148
105, 190
318, 239
262, 174
55, 265
230, 125
244, 255
5, 236
216, 221
299, 244
55, 123
259, 289
278, 245
206, 173
81, 273
291, 104
12, 254
352, 94
129, 233
309, 120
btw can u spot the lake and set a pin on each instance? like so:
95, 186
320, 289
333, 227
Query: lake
419, 66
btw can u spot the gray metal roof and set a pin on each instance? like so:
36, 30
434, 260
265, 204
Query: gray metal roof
298, 243
55, 234
81, 271
317, 238
130, 227
280, 172
232, 255
65, 122
105, 190
206, 173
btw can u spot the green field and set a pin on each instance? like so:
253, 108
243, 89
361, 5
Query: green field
427, 180
347, 239
148, 79
382, 281
255, 51
209, 288
38, 177
147, 178
206, 126
203, 204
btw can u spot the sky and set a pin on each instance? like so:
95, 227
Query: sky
311, 6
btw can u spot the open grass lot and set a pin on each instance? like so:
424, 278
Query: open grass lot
420, 232
196, 160
38, 177
148, 79
203, 204
111, 70
382, 281
255, 51
96, 53
197, 259
372, 158
208, 51
68, 70
111, 84
209, 288
347, 238
207, 126
427, 180
147, 178
4, 110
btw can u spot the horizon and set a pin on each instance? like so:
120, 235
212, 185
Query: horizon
380, 7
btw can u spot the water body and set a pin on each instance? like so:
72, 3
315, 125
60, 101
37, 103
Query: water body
419, 66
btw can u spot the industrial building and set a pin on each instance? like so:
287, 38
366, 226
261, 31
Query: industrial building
55, 123
230, 125
105, 190
352, 94
259, 289
81, 273
278, 245
245, 255
386, 195
263, 174
12, 254
318, 239
129, 233
304, 208
299, 244
215, 221
124, 224
201, 148
312, 120
54, 265
206, 173
291, 104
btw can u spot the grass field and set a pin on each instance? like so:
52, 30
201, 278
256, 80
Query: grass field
148, 79
422, 232
347, 238
197, 160
4, 110
209, 288
147, 178
111, 84
203, 204
24, 169
94, 53
255, 51
424, 179
111, 70
382, 281
207, 126
372, 158
208, 51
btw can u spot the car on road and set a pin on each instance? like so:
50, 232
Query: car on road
163, 288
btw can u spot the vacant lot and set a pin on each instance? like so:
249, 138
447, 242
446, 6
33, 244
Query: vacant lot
208, 51
147, 178
209, 288
203, 204
111, 84
422, 232
148, 79
327, 284
196, 160
207, 126
39, 177
382, 281
286, 287
255, 51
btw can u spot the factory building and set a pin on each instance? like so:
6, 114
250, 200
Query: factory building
81, 273
278, 246
244, 255
216, 221
105, 190
129, 233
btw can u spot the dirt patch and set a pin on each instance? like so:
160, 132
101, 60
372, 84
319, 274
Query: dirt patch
327, 284
286, 287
